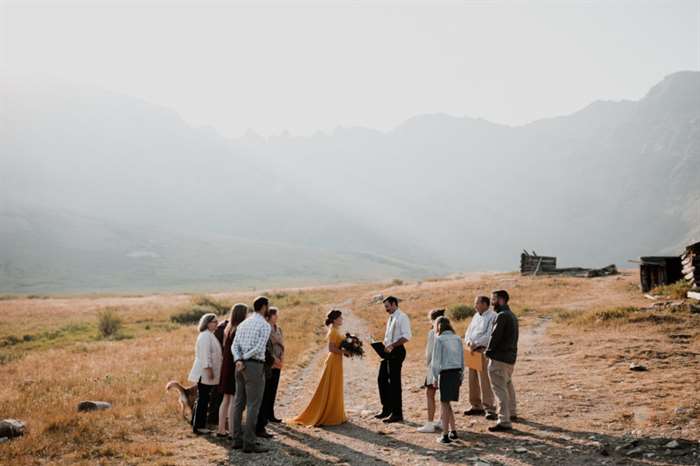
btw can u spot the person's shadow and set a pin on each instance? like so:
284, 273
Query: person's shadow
459, 452
542, 444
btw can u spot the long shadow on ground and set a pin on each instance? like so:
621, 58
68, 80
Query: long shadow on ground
541, 444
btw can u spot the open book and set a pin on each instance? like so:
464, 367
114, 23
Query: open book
378, 347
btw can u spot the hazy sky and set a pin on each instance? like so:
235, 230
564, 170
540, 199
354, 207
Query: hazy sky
307, 67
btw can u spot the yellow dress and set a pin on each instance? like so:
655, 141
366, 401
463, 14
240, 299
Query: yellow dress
327, 406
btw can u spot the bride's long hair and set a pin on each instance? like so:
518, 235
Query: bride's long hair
332, 315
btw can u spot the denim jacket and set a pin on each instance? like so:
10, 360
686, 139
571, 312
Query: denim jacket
448, 353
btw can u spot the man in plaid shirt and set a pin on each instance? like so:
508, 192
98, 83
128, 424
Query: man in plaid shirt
248, 350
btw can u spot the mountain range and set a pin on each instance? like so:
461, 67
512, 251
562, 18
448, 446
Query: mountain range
105, 192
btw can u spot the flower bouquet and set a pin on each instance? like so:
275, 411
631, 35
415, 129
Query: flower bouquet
353, 345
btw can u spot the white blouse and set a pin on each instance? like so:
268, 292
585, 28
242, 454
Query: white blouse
207, 353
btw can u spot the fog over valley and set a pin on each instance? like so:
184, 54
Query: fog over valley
103, 191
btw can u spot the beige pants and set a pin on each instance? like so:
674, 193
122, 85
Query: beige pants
480, 393
501, 375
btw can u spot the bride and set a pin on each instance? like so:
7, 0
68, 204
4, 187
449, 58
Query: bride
327, 406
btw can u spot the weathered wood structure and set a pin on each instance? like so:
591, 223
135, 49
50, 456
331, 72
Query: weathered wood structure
532, 264
690, 261
659, 270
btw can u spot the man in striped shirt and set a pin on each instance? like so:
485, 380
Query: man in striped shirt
248, 350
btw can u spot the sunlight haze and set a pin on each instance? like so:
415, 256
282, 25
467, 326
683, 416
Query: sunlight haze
306, 69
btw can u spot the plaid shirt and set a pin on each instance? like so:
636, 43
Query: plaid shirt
251, 338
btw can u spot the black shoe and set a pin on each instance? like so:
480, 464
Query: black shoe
474, 412
514, 419
237, 445
444, 439
254, 449
264, 434
492, 416
393, 419
500, 428
220, 435
275, 420
382, 415
201, 431
453, 435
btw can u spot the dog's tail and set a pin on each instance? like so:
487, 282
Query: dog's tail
175, 384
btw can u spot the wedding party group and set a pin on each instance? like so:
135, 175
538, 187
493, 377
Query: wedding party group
238, 364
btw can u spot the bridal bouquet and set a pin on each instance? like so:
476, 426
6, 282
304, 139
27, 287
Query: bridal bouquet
353, 345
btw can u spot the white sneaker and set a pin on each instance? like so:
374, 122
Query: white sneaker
428, 428
438, 426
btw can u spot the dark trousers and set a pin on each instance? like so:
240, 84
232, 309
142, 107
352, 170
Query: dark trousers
215, 400
201, 405
389, 381
267, 408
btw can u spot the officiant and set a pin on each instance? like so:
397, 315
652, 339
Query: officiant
398, 332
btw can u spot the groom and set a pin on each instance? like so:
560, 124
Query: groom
398, 332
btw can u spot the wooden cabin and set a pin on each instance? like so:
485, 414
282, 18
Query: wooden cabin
532, 264
690, 261
659, 270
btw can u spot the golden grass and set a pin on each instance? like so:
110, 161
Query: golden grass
678, 290
63, 361
44, 378
530, 298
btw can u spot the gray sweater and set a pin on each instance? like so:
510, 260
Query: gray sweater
448, 353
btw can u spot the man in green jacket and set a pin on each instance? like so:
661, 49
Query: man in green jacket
502, 352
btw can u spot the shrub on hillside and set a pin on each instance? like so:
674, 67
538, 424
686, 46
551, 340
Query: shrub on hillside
217, 307
678, 290
397, 282
617, 313
108, 323
604, 317
190, 315
460, 312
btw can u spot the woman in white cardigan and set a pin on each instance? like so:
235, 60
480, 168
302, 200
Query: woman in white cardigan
205, 370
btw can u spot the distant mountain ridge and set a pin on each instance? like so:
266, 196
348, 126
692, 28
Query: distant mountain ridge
437, 194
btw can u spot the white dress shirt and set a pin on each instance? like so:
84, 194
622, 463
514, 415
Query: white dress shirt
207, 353
398, 326
251, 338
479, 330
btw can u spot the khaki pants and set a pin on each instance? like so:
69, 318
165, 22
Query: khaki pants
480, 393
250, 385
501, 375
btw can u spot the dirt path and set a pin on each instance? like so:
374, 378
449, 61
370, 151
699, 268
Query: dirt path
367, 441
297, 386
563, 417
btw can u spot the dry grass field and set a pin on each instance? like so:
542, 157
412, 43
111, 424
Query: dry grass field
577, 394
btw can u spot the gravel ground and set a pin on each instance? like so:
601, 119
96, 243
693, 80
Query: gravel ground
561, 424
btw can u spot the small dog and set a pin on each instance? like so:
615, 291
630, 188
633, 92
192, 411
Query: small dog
187, 397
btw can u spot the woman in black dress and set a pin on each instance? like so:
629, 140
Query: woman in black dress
227, 382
